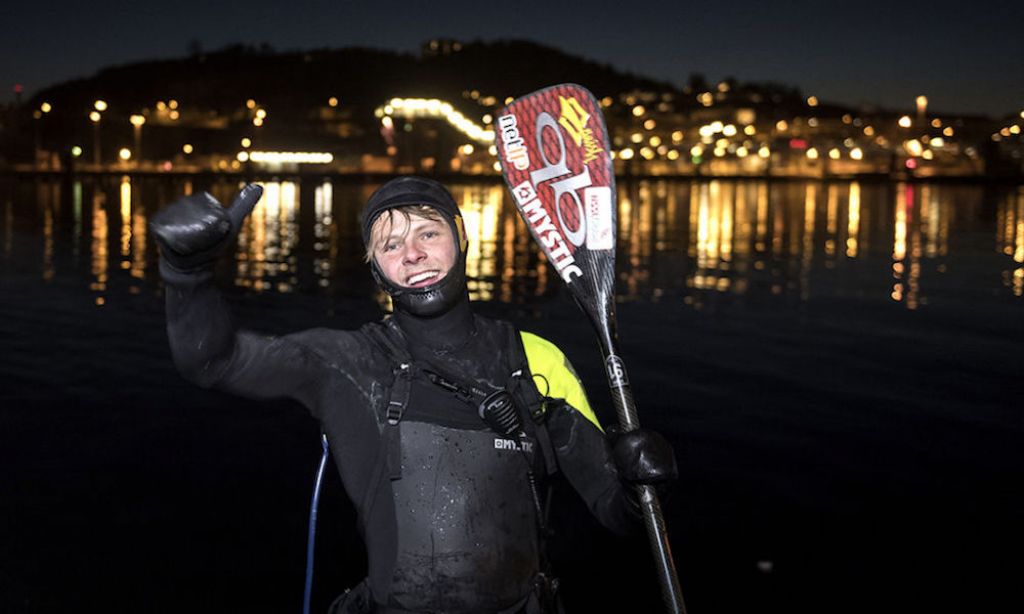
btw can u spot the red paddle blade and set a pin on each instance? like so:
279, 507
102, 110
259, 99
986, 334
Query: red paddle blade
555, 155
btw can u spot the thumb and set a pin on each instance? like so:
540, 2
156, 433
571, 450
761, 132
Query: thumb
243, 204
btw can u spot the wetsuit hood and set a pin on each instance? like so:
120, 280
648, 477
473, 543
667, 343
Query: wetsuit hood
437, 298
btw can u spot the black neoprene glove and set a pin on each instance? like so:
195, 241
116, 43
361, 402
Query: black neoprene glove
643, 457
194, 230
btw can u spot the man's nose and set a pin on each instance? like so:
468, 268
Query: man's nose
414, 254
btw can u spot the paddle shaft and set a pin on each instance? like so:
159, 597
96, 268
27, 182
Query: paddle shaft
654, 521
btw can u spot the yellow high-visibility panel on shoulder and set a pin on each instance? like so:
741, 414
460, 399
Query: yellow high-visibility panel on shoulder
545, 359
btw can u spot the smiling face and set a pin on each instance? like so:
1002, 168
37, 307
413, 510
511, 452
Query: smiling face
411, 250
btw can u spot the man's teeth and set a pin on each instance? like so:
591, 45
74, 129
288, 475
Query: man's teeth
418, 277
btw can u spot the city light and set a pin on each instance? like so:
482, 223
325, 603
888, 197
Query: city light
905, 121
947, 131
76, 152
332, 101
812, 153
125, 154
638, 110
423, 107
290, 157
626, 154
95, 116
45, 107
764, 152
856, 153
812, 101
187, 148
137, 120
467, 149
100, 105
246, 142
922, 105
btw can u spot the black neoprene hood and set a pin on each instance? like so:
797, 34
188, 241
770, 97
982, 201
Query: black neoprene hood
437, 298
405, 191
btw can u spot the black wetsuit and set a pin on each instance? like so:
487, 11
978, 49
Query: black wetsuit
457, 532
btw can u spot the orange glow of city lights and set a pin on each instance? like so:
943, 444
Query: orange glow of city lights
100, 105
46, 107
137, 120
187, 148
125, 154
638, 110
95, 116
905, 121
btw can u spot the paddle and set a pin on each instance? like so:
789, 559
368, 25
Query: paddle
554, 152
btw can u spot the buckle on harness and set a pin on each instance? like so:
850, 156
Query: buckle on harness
395, 409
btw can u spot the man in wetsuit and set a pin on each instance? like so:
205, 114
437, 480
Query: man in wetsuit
440, 421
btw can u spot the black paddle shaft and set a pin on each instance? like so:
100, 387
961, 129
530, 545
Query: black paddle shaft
625, 409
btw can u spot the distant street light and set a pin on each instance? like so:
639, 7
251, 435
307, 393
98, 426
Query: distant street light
100, 105
95, 117
137, 122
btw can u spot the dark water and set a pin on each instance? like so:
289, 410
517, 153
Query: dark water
839, 365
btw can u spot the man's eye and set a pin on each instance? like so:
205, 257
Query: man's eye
429, 234
389, 247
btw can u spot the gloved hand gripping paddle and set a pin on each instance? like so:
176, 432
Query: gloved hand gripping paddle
554, 152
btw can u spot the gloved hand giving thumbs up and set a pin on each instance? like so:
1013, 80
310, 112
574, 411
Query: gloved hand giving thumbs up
194, 230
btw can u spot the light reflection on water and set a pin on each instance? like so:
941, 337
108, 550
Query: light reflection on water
690, 241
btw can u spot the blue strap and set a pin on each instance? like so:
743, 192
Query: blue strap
311, 540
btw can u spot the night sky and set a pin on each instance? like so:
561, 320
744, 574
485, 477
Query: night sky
967, 57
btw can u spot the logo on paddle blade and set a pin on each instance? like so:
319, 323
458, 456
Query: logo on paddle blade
515, 150
550, 238
574, 119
